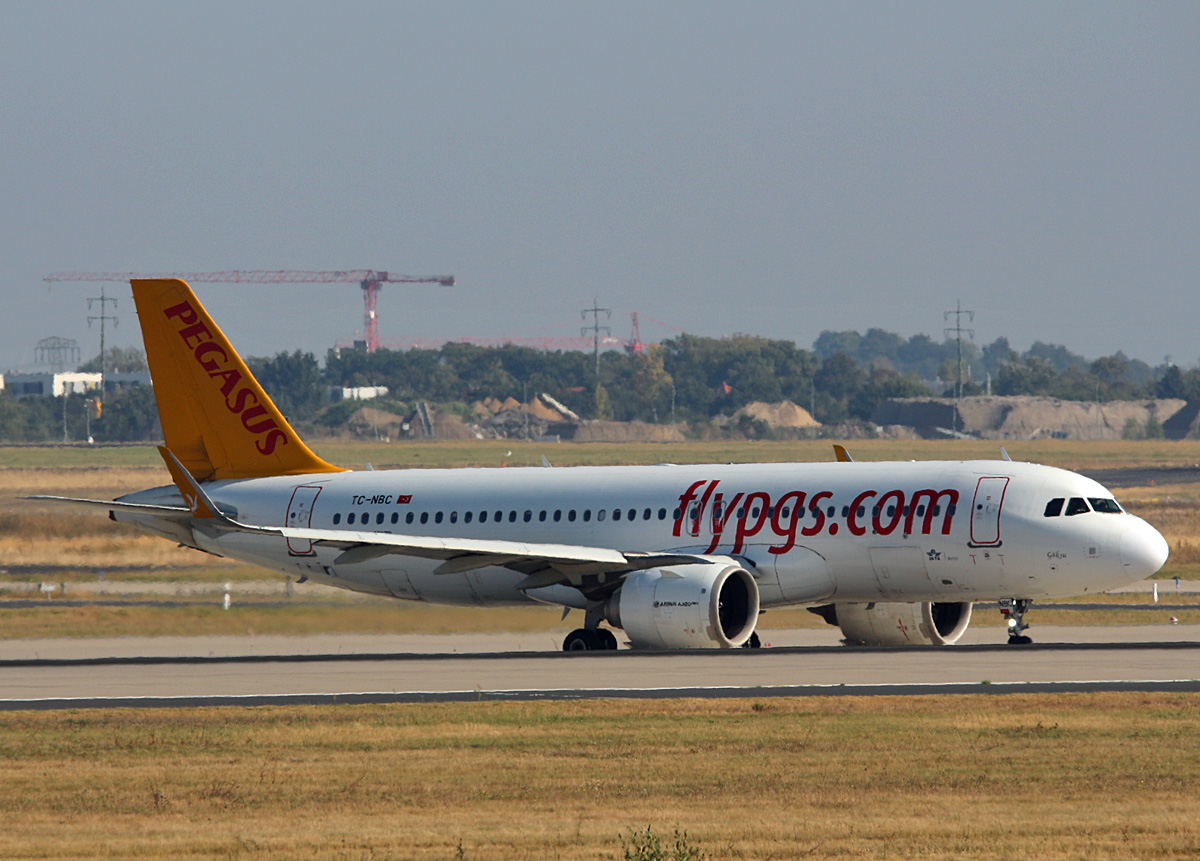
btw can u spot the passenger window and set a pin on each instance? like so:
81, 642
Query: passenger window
542, 516
528, 516
337, 518
571, 515
483, 517
437, 518
350, 517
364, 518
1104, 506
601, 514
467, 516
408, 518
616, 514
424, 516
587, 515
499, 516
633, 514
646, 514
454, 517
1054, 507
512, 517
557, 515
379, 519
395, 517
1077, 506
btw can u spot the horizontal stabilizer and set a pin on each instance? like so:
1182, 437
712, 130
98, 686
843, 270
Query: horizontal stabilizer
113, 505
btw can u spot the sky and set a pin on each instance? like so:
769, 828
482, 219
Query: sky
776, 169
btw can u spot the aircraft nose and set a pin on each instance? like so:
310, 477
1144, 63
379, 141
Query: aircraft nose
1143, 550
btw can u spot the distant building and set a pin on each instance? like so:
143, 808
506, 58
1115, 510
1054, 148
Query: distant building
50, 385
360, 393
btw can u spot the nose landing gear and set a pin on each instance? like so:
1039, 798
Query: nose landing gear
1014, 609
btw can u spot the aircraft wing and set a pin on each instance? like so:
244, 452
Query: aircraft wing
544, 564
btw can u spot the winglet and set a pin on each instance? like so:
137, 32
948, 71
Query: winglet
843, 456
216, 418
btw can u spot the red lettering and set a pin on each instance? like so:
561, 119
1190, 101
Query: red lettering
204, 349
852, 520
932, 496
239, 400
274, 438
720, 518
231, 379
703, 504
881, 510
814, 506
684, 500
198, 331
253, 413
746, 529
793, 503
184, 311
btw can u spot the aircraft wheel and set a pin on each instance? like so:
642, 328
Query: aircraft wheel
753, 643
608, 640
1021, 640
582, 640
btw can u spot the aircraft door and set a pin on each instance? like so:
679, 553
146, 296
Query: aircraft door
299, 515
985, 511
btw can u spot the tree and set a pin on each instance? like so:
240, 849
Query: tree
118, 360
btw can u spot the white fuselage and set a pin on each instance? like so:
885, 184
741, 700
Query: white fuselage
809, 533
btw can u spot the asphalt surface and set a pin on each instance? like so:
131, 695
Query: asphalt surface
200, 671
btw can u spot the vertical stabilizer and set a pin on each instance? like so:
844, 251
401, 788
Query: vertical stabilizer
216, 418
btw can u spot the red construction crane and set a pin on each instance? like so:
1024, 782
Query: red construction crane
369, 279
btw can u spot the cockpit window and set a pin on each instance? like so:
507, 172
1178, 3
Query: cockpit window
1077, 506
1104, 506
1054, 507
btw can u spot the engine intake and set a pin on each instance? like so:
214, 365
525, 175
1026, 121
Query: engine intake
713, 606
881, 624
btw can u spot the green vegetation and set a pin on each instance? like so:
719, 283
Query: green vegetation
685, 379
1098, 776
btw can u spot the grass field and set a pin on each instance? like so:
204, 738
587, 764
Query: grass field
1094, 776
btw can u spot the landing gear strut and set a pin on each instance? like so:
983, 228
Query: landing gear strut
1014, 609
590, 640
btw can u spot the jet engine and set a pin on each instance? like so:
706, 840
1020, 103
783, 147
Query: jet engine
880, 624
698, 606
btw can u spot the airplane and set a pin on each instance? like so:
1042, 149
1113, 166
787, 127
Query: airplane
674, 556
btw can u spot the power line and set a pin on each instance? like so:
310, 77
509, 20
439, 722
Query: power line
958, 330
596, 328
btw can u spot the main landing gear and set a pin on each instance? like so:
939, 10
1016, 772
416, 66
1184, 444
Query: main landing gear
1014, 609
590, 640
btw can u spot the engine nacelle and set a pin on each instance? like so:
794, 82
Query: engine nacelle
700, 606
880, 624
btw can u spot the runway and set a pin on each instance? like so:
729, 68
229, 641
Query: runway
192, 674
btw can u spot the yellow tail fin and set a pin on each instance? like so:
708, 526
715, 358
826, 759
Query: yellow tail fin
216, 418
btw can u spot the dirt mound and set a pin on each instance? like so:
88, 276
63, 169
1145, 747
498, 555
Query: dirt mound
784, 414
1024, 417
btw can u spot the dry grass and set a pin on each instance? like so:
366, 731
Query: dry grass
1098, 776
